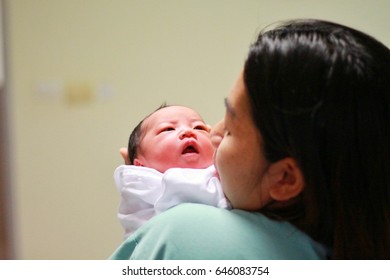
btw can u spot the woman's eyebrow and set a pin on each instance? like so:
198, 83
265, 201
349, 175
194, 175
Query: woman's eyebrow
230, 109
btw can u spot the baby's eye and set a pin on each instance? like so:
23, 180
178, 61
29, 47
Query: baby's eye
168, 128
201, 127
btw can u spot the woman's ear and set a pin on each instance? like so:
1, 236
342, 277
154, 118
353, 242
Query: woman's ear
287, 179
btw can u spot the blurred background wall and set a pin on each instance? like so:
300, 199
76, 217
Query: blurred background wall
80, 75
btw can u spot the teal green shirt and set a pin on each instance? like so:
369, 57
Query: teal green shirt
200, 232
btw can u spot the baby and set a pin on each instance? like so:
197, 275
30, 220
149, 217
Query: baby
170, 158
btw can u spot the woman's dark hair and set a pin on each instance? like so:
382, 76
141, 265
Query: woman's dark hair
137, 135
320, 93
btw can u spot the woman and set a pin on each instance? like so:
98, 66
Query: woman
303, 151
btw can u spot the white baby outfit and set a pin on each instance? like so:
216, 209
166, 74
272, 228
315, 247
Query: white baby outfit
146, 192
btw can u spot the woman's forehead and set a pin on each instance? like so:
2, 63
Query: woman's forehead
237, 103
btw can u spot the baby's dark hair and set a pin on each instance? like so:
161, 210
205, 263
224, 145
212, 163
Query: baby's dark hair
137, 135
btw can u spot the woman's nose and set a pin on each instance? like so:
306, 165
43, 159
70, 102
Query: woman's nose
187, 133
216, 134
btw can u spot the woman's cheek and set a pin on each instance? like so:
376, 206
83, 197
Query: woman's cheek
221, 158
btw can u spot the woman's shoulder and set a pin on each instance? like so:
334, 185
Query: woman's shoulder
195, 231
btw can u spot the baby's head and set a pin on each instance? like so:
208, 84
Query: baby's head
172, 136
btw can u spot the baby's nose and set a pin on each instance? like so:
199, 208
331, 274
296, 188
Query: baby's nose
187, 133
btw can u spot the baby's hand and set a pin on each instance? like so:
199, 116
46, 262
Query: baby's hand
125, 154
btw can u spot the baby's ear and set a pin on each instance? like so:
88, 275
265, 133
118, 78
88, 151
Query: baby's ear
287, 179
125, 155
137, 162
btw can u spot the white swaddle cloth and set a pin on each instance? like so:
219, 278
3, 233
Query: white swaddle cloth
146, 192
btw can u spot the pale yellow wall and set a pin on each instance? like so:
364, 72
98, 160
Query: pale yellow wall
82, 73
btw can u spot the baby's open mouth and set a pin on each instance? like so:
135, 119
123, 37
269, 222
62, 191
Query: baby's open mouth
190, 149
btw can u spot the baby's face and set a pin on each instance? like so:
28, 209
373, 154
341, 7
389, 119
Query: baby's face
175, 136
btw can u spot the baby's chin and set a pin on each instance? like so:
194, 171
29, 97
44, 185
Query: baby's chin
193, 165
195, 161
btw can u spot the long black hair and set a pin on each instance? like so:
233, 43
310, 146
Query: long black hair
320, 93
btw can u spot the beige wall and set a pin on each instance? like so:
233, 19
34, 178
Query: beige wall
82, 73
